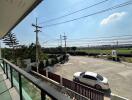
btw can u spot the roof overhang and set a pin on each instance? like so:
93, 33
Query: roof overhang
13, 12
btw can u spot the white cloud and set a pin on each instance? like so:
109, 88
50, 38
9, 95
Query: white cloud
112, 18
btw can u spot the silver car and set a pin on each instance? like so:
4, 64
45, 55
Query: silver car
92, 79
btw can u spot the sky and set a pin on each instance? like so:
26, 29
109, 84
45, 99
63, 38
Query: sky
116, 22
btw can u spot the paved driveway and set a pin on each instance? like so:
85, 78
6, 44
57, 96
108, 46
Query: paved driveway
118, 74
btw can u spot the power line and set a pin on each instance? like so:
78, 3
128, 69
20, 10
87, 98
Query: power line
106, 39
90, 42
100, 38
127, 40
64, 9
102, 11
96, 44
74, 12
119, 36
130, 42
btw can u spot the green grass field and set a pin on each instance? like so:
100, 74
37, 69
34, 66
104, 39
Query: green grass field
108, 51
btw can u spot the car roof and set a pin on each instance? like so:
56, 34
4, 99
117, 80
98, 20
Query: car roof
91, 74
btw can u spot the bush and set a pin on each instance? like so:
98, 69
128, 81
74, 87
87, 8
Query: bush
53, 61
127, 59
41, 65
47, 63
34, 68
110, 57
113, 58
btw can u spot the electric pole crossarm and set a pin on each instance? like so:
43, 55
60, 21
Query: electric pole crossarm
36, 26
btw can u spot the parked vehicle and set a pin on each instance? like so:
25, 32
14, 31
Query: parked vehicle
92, 79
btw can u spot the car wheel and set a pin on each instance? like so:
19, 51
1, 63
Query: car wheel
98, 87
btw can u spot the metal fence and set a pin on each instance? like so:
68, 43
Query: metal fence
54, 77
84, 90
26, 84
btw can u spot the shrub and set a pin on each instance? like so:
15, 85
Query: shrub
109, 57
47, 63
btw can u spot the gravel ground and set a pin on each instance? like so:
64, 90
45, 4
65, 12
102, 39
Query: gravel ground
118, 74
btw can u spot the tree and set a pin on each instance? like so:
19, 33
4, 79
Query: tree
11, 41
74, 49
60, 49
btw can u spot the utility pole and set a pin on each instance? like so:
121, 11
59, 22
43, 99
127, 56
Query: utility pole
37, 41
60, 40
88, 45
65, 38
117, 43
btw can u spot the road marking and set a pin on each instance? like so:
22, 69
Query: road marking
119, 97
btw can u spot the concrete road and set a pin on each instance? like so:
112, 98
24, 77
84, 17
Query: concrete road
118, 74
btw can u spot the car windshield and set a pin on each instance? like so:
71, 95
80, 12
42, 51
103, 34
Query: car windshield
82, 73
99, 77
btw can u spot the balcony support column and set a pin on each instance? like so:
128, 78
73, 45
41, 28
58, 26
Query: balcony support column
6, 70
11, 77
20, 86
3, 66
43, 95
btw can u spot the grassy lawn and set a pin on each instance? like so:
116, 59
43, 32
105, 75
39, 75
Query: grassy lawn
108, 51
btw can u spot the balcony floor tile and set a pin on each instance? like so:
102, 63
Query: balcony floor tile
4, 91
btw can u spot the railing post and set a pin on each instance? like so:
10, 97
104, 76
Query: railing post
46, 73
6, 70
61, 82
43, 95
20, 86
3, 66
11, 77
